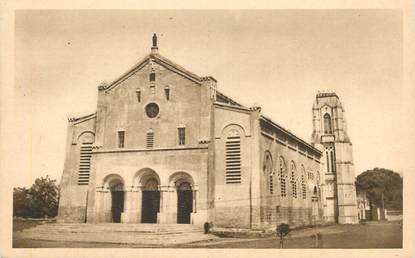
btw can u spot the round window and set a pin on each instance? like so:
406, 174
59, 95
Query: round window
152, 110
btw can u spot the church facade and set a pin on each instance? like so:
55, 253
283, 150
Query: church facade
165, 146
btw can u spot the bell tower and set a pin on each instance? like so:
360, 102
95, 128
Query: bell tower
337, 182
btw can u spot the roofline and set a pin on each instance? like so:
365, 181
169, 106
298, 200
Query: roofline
326, 95
161, 60
230, 99
216, 103
82, 118
296, 138
130, 71
168, 62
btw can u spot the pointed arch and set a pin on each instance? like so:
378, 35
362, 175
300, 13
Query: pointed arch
293, 179
233, 138
268, 171
327, 124
282, 173
303, 184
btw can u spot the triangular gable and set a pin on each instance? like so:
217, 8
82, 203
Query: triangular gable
166, 63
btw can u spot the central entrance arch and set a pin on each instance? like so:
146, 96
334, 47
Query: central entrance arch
117, 199
150, 205
184, 203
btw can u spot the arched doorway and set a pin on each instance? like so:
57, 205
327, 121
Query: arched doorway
117, 200
184, 203
150, 201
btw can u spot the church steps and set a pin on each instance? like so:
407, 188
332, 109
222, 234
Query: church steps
140, 234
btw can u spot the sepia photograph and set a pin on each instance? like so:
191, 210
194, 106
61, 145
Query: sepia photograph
209, 129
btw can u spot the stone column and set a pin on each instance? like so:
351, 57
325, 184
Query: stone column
137, 202
170, 201
126, 216
194, 190
162, 217
106, 205
98, 209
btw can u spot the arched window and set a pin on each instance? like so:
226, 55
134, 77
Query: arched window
293, 180
268, 172
327, 124
85, 153
318, 178
303, 185
318, 184
282, 175
331, 164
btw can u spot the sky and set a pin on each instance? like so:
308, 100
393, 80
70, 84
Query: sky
278, 59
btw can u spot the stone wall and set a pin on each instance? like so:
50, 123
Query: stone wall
233, 206
73, 197
276, 208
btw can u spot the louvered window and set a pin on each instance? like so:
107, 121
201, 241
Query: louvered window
84, 163
150, 139
233, 160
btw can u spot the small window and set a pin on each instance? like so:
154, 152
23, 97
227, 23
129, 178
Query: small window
138, 93
150, 139
182, 135
167, 92
153, 89
152, 76
121, 135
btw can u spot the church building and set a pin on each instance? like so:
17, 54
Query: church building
166, 146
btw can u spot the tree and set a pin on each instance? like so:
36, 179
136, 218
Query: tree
382, 186
40, 200
20, 200
282, 230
